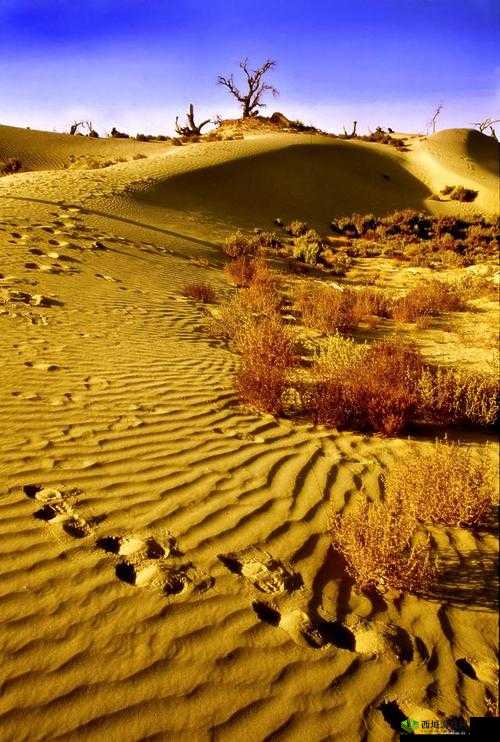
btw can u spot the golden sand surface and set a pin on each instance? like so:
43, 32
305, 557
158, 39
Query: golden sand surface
166, 572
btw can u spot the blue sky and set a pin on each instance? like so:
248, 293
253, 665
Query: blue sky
135, 64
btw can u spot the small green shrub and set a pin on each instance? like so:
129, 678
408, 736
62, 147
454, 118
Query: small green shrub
306, 251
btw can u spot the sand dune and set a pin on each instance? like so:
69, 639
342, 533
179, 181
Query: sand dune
166, 571
42, 150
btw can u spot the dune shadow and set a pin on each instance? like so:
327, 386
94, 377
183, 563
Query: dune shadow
314, 182
471, 583
485, 150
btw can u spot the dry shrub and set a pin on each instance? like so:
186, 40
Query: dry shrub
428, 298
231, 318
444, 484
325, 308
338, 262
200, 292
372, 302
11, 165
266, 351
367, 388
297, 228
448, 396
459, 193
261, 298
269, 239
237, 245
240, 271
381, 548
306, 250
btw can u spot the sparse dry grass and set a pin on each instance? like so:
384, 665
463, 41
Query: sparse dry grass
240, 271
238, 245
200, 292
421, 238
446, 484
267, 353
384, 387
381, 548
428, 299
325, 308
372, 302
367, 388
260, 297
450, 397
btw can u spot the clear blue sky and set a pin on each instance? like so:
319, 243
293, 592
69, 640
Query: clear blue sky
136, 63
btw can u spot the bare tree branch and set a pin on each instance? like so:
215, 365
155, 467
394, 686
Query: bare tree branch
432, 122
75, 126
353, 132
192, 129
256, 88
487, 124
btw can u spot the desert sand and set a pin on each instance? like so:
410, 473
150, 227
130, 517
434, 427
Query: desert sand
182, 585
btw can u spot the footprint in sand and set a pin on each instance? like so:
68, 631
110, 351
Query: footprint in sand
375, 639
57, 510
96, 383
316, 634
143, 562
372, 639
24, 297
263, 571
43, 366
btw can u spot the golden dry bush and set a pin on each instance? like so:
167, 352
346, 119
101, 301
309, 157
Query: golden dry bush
372, 302
240, 271
447, 484
200, 292
260, 298
297, 228
266, 349
449, 397
238, 244
11, 165
230, 318
325, 308
428, 298
382, 546
367, 388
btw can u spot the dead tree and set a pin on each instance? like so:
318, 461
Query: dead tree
191, 129
91, 131
353, 132
487, 124
251, 100
432, 122
75, 126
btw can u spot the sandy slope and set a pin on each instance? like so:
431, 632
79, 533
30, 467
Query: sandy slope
41, 150
111, 393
